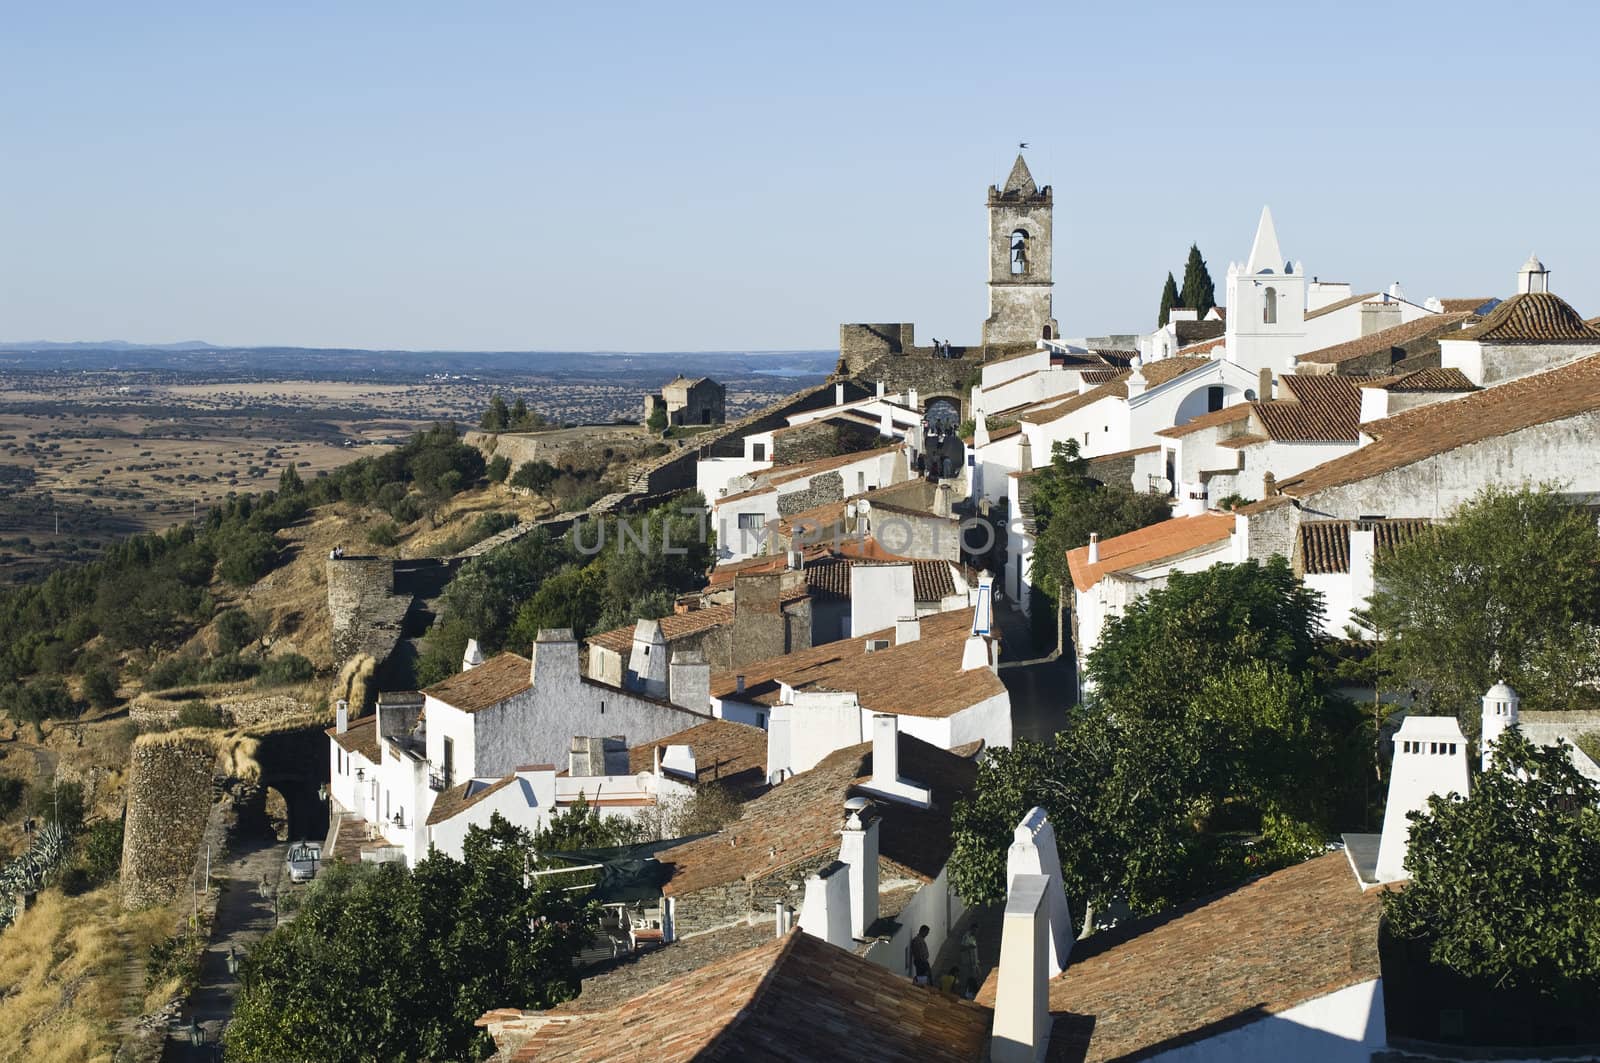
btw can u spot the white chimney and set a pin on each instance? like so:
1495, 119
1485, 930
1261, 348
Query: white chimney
1022, 997
1430, 757
1024, 454
907, 629
1533, 277
689, 681
838, 394
1363, 551
1094, 548
555, 657
941, 500
1136, 381
975, 653
1033, 852
980, 429
911, 399
886, 781
885, 423
473, 657
826, 911
1501, 710
678, 760
1264, 384
858, 850
784, 919
878, 390
341, 716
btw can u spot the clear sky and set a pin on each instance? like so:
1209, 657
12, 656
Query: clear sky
660, 176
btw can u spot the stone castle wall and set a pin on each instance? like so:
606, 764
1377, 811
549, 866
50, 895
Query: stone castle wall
822, 439
365, 611
825, 487
169, 802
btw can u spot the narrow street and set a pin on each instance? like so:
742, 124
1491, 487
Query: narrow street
1042, 686
244, 916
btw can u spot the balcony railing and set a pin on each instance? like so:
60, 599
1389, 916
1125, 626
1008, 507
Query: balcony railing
439, 779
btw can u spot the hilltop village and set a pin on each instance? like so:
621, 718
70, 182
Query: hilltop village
1041, 697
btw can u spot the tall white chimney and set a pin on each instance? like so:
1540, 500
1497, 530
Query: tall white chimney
878, 390
885, 781
858, 850
341, 716
472, 657
1502, 707
1033, 852
838, 394
907, 629
826, 911
911, 399
1022, 997
1024, 454
1430, 757
1094, 548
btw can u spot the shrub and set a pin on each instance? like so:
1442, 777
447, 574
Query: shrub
11, 789
200, 714
383, 533
227, 669
534, 475
102, 851
100, 686
236, 629
289, 668
174, 671
499, 469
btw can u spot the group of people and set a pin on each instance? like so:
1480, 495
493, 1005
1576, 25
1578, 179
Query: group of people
922, 968
941, 349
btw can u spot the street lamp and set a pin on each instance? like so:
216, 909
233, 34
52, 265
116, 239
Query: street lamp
197, 1036
233, 961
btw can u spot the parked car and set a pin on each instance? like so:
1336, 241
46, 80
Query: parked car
304, 858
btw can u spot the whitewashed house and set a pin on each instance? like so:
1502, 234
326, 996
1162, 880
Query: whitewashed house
742, 518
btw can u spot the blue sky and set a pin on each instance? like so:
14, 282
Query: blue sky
745, 176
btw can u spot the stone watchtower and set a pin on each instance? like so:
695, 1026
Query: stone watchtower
1020, 248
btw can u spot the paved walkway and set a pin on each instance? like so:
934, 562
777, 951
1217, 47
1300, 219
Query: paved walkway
244, 915
1042, 685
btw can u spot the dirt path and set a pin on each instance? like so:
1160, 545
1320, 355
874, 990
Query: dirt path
244, 915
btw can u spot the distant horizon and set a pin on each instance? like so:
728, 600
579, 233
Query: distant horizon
204, 345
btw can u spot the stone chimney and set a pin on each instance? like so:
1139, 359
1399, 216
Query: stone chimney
689, 681
907, 629
1430, 757
1094, 548
1022, 996
1269, 484
941, 500
858, 850
1375, 317
738, 684
1024, 454
760, 628
341, 716
555, 658
1501, 710
826, 911
1264, 384
472, 657
1033, 852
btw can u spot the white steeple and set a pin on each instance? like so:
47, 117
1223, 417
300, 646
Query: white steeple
1501, 708
1264, 254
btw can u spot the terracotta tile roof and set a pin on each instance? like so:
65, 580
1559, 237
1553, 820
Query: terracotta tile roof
1156, 373
360, 736
500, 677
1553, 395
1170, 538
796, 999
1200, 348
1239, 411
1323, 546
1318, 409
673, 626
1423, 380
463, 796
1340, 305
1445, 325
930, 580
801, 816
1155, 984
1471, 306
1532, 317
734, 754
921, 678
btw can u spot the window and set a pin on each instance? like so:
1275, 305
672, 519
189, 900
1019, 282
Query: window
449, 761
751, 522
1047, 333
1269, 307
1019, 252
758, 451
761, 719
1214, 396
861, 481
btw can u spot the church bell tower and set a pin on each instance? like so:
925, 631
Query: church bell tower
1020, 244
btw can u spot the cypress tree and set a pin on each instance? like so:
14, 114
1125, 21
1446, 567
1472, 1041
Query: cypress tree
1199, 294
1169, 299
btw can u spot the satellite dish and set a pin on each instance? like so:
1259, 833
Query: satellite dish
864, 507
856, 804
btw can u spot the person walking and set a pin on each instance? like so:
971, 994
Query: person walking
921, 970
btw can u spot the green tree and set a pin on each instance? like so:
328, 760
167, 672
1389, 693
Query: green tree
574, 598
289, 482
100, 686
657, 420
389, 965
236, 630
40, 700
1505, 885
1169, 299
245, 555
1068, 505
499, 468
534, 475
497, 418
1507, 588
1198, 294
